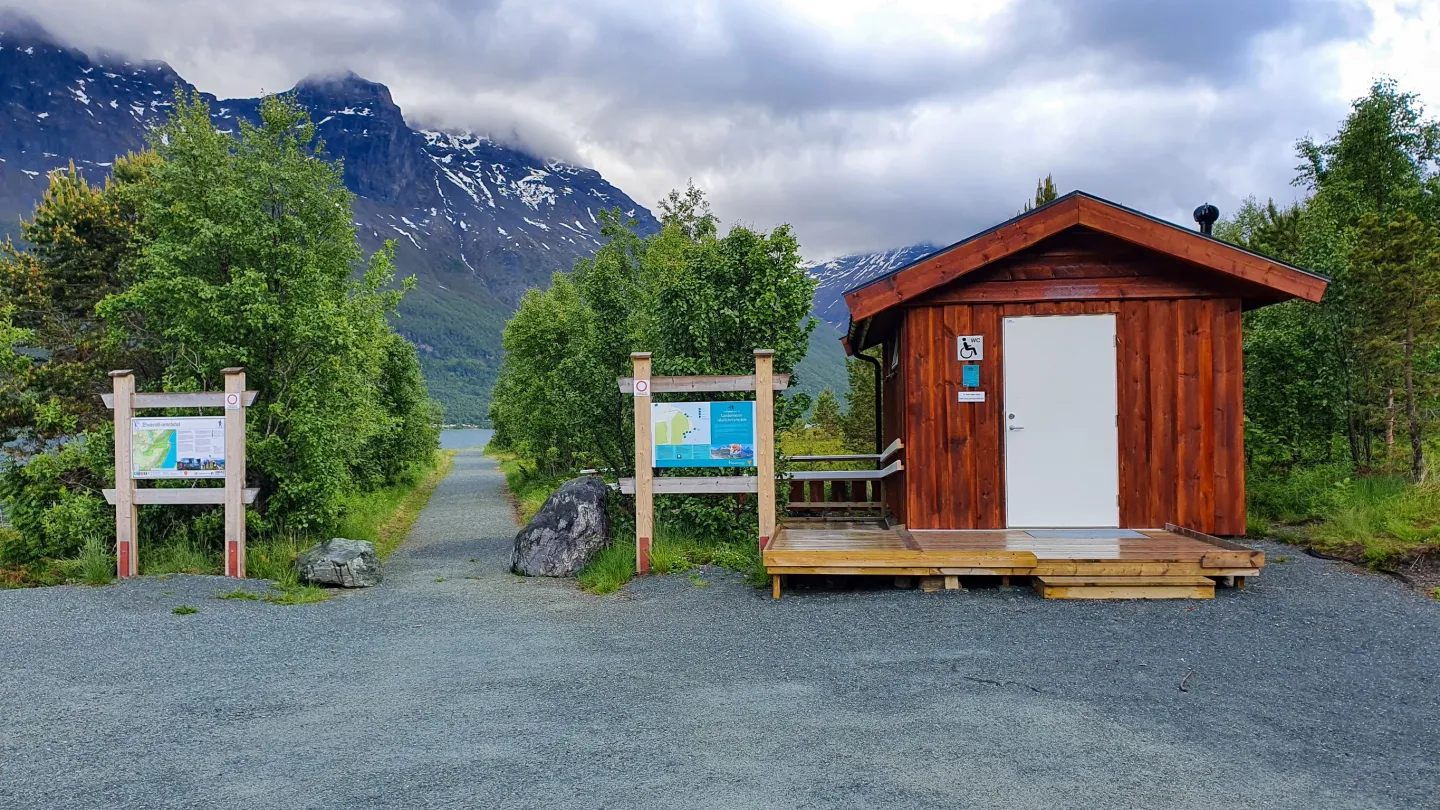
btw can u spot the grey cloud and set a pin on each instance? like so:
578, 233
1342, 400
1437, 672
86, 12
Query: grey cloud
860, 143
1209, 40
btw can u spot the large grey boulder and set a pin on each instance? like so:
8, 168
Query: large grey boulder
340, 562
566, 533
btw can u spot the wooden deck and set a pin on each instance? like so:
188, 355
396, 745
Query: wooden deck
1169, 556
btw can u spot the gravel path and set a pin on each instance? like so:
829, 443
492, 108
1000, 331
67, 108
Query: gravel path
1319, 687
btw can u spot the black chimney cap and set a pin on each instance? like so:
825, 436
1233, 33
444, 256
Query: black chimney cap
1206, 216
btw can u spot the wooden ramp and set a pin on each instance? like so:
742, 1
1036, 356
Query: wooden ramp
1063, 563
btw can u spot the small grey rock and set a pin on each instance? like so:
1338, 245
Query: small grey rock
341, 562
567, 531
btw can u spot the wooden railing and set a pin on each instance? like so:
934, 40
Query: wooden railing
843, 491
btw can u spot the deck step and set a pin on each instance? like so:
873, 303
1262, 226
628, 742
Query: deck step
1175, 587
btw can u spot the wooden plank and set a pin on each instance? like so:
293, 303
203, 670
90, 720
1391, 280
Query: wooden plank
188, 496
765, 442
643, 486
1103, 580
899, 557
1068, 290
1163, 407
839, 458
894, 447
975, 253
836, 504
846, 475
907, 538
1132, 325
1229, 421
1233, 559
235, 475
127, 555
202, 399
695, 486
699, 384
855, 571
839, 491
797, 493
1190, 246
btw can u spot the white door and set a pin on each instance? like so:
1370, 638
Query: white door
1062, 465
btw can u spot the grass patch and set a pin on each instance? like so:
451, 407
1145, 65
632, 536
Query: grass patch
673, 551
184, 610
610, 570
384, 516
240, 593
179, 557
1378, 520
297, 595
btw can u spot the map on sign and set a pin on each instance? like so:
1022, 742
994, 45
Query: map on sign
703, 434
181, 447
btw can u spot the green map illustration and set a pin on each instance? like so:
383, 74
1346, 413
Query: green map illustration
678, 426
151, 447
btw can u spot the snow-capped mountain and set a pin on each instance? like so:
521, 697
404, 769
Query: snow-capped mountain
477, 222
838, 275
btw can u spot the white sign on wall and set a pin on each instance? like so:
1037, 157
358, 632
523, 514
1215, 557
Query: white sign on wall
972, 396
969, 348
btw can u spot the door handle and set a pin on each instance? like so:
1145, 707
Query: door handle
1017, 427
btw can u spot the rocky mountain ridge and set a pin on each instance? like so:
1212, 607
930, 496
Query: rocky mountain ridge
476, 221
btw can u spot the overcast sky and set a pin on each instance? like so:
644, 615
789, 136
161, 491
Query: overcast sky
864, 124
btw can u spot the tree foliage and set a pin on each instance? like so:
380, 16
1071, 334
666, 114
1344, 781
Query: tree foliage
209, 251
826, 415
858, 425
1315, 376
700, 302
1044, 193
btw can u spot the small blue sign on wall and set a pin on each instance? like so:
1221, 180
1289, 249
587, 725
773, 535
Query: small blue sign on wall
970, 376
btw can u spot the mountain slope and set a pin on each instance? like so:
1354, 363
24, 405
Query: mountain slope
475, 221
838, 275
825, 364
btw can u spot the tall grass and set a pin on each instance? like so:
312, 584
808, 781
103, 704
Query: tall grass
674, 550
1378, 519
384, 516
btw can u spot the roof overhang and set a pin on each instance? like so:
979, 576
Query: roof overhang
1076, 209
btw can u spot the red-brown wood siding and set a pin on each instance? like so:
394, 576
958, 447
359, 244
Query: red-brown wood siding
892, 414
1179, 394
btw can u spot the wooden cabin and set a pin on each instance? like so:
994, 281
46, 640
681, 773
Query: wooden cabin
1103, 354
1067, 388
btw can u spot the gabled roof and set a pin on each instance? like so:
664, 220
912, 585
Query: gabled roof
1076, 209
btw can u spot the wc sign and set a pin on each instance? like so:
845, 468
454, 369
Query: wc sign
970, 348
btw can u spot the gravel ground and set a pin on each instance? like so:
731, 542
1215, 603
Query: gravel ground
458, 685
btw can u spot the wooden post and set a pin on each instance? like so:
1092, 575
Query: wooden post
644, 464
127, 557
765, 441
234, 472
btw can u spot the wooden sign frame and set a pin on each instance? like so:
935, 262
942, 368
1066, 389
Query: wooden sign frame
644, 485
127, 497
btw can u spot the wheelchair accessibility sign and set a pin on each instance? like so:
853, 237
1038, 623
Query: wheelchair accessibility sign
970, 347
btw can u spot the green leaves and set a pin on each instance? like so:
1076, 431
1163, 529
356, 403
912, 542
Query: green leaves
210, 251
701, 303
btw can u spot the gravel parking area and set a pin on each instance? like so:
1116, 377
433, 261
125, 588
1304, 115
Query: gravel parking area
456, 684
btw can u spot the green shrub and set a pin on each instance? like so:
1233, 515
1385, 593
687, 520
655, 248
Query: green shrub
50, 499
